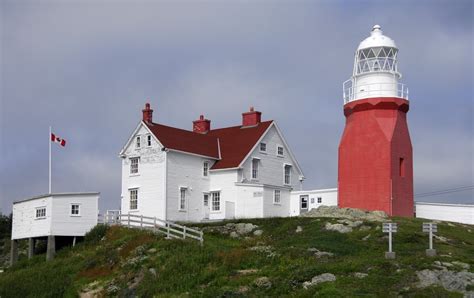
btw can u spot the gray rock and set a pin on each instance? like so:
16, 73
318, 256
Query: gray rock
247, 271
449, 280
364, 228
299, 229
234, 234
152, 250
320, 254
244, 228
350, 223
257, 232
152, 271
325, 277
462, 265
366, 238
441, 238
360, 274
338, 228
263, 282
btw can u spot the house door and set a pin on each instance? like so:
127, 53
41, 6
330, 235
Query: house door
206, 206
304, 204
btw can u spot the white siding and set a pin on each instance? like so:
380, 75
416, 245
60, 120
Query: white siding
449, 212
249, 201
224, 181
328, 196
63, 224
150, 180
276, 210
185, 170
271, 166
25, 224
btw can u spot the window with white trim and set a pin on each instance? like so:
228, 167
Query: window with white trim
148, 140
280, 151
138, 142
255, 168
75, 210
41, 212
320, 200
216, 201
287, 174
134, 165
182, 198
276, 196
133, 198
206, 199
205, 169
263, 147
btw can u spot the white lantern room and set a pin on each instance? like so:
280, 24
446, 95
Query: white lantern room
375, 72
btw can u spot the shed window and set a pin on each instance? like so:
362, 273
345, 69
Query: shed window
205, 169
134, 165
254, 168
41, 212
182, 198
75, 210
148, 140
134, 199
287, 173
276, 196
320, 200
216, 201
138, 142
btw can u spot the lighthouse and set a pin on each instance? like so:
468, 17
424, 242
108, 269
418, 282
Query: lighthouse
375, 162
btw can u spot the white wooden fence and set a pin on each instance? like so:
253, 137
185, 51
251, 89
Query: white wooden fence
168, 228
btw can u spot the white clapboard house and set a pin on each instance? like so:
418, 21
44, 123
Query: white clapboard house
243, 171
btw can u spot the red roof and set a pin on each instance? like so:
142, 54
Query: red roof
234, 142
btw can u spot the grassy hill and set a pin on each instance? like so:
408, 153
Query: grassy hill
128, 262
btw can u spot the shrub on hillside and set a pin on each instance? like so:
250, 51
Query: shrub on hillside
96, 234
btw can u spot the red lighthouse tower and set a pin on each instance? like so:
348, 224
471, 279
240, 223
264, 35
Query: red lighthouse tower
375, 169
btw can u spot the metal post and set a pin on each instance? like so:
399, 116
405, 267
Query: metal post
31, 247
184, 232
74, 241
431, 238
51, 249
49, 141
167, 230
13, 252
390, 241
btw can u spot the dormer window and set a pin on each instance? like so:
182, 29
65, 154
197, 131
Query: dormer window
148, 140
263, 147
280, 151
138, 144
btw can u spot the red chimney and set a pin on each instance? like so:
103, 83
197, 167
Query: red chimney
147, 114
202, 125
251, 118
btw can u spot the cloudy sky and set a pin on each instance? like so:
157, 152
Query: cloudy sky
88, 67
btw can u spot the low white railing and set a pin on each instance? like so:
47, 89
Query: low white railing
168, 228
373, 90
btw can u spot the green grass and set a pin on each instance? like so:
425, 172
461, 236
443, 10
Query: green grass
121, 263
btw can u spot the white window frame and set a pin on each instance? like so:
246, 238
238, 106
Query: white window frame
40, 215
205, 202
131, 199
182, 200
260, 147
138, 142
148, 140
215, 194
283, 151
78, 209
301, 202
277, 197
289, 174
254, 168
137, 166
205, 169
320, 200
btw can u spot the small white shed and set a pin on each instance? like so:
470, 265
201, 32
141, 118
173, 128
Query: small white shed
51, 215
462, 213
305, 200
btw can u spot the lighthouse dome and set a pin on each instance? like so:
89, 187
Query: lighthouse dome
377, 39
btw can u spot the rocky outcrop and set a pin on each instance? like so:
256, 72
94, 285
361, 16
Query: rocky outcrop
349, 213
337, 227
325, 277
450, 280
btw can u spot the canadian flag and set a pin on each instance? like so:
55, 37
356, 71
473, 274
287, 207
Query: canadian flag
56, 139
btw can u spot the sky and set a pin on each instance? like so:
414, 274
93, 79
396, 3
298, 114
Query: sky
87, 68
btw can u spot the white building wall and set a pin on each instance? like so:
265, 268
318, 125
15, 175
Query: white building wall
224, 181
185, 170
65, 224
25, 224
150, 180
461, 213
271, 166
271, 209
328, 198
249, 201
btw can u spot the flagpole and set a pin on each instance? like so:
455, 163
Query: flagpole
49, 139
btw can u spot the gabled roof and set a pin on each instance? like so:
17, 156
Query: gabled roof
185, 140
228, 145
236, 143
